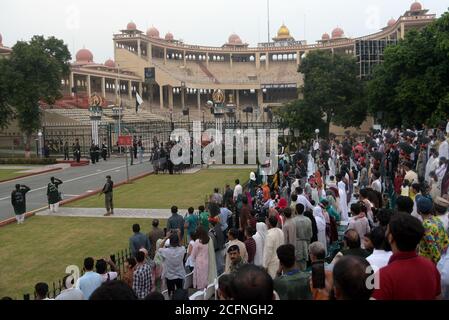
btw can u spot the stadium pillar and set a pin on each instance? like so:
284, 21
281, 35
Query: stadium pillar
150, 52
184, 56
139, 51
89, 88
298, 58
402, 31
103, 87
198, 96
165, 55
161, 96
267, 61
258, 60
237, 98
230, 59
71, 84
117, 90
130, 91
170, 96
260, 98
207, 59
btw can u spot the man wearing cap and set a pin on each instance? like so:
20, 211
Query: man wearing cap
107, 191
442, 213
435, 240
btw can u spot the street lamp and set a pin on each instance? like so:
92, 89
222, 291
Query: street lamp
317, 132
39, 134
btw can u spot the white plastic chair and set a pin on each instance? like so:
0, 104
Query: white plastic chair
209, 292
199, 295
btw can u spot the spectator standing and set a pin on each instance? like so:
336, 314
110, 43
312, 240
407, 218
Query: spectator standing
91, 280
407, 275
173, 258
191, 223
176, 222
130, 264
138, 241
41, 291
380, 256
69, 292
289, 228
101, 267
290, 283
250, 244
233, 240
358, 220
303, 236
142, 276
155, 234
275, 238
200, 254
236, 261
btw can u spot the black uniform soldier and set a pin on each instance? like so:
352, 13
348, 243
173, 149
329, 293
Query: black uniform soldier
107, 191
18, 202
77, 151
135, 147
53, 194
104, 150
66, 151
97, 153
93, 156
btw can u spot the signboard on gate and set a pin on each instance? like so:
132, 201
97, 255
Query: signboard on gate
125, 141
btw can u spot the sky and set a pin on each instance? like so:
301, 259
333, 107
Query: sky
92, 23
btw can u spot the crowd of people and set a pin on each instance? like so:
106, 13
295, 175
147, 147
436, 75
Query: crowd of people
346, 219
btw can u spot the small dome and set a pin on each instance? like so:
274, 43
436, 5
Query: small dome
110, 63
337, 33
84, 55
283, 31
391, 22
131, 26
325, 36
234, 39
153, 32
416, 6
169, 37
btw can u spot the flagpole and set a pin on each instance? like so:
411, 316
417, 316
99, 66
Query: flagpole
120, 106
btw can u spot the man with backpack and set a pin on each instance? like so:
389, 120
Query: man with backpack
53, 194
18, 202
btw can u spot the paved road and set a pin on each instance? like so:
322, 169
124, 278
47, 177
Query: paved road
76, 180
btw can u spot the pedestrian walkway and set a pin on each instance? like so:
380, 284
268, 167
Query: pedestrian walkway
118, 213
34, 169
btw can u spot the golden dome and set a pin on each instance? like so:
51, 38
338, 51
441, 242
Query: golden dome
283, 32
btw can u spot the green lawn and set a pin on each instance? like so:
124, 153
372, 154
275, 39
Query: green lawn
43, 247
164, 191
9, 174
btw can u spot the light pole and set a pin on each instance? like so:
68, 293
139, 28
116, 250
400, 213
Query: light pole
39, 134
317, 132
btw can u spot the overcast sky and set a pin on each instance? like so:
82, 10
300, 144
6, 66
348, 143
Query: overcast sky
91, 23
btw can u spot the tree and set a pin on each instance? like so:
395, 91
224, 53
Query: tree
297, 115
34, 72
5, 109
410, 88
331, 85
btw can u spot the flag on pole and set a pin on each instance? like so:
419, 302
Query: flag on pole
139, 101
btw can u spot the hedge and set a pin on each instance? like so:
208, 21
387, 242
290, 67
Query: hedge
43, 161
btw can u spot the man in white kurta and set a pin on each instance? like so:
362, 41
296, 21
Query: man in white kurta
343, 200
275, 239
432, 165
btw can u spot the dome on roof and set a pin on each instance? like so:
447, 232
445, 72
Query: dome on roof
84, 55
169, 36
153, 32
131, 26
416, 6
283, 32
337, 33
234, 39
391, 22
325, 36
110, 63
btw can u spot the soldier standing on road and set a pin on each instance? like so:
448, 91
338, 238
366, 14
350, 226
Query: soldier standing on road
104, 150
93, 156
66, 151
107, 191
135, 147
53, 194
18, 202
77, 151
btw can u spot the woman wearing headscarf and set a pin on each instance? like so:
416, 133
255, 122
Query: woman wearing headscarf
321, 225
260, 237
